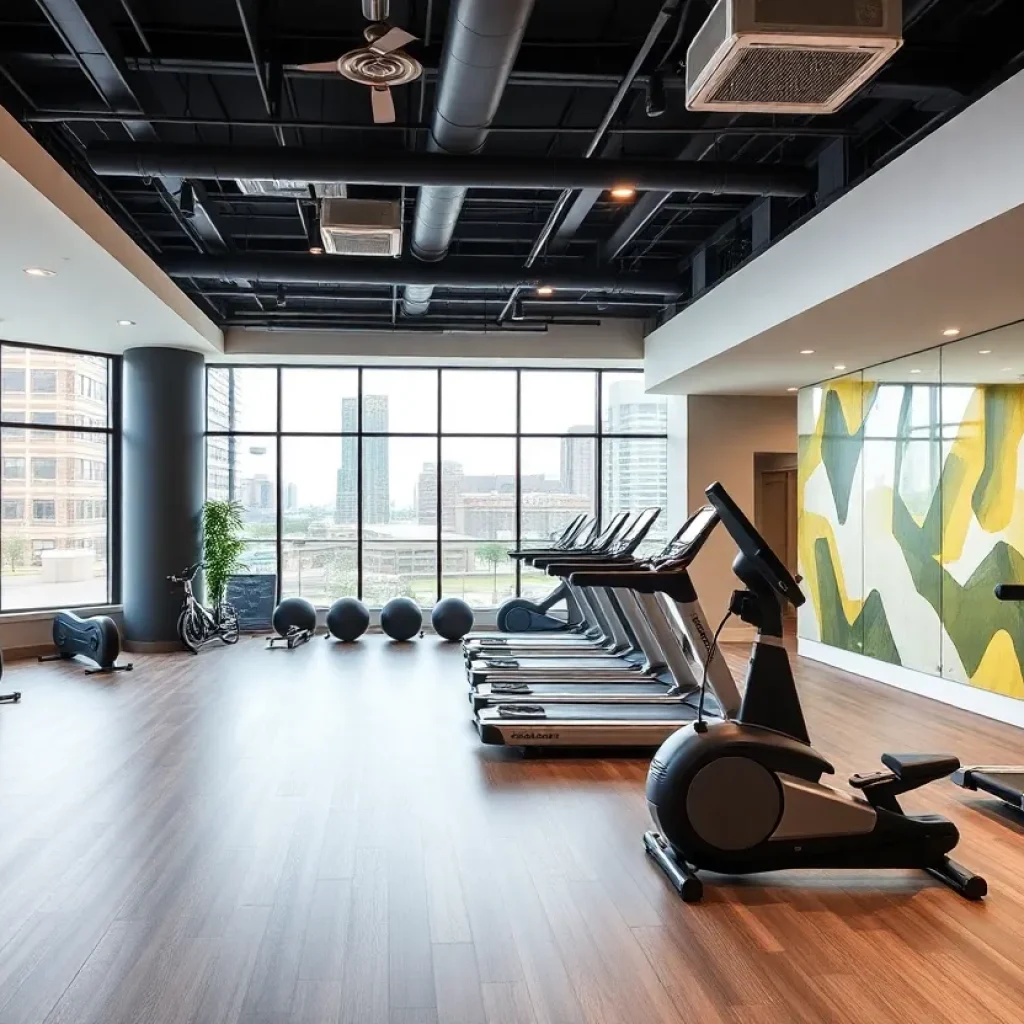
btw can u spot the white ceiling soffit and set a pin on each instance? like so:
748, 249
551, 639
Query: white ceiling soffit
929, 242
101, 276
614, 343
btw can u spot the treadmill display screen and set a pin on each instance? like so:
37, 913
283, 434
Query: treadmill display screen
694, 534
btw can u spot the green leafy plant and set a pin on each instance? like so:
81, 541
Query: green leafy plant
14, 551
222, 546
494, 555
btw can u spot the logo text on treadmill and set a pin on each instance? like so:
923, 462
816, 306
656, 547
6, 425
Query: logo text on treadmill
534, 736
702, 633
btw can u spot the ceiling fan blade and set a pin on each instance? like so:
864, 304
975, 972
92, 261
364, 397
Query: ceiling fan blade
327, 65
393, 39
383, 105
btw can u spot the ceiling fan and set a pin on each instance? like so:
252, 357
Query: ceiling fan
380, 64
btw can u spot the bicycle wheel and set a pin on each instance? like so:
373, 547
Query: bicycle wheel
190, 629
228, 624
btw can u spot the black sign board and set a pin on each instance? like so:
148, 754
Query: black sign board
253, 598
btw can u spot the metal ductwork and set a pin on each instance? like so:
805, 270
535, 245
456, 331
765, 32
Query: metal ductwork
300, 268
436, 174
480, 49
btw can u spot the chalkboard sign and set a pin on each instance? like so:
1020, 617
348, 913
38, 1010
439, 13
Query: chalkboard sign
253, 598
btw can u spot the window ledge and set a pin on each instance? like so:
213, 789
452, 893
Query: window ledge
39, 614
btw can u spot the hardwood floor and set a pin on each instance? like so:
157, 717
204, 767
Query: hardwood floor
317, 836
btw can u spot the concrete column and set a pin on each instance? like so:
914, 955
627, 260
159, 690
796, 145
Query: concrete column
162, 488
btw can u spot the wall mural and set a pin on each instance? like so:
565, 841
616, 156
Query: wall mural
911, 502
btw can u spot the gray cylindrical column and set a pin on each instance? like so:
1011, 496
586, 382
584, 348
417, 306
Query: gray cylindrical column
162, 488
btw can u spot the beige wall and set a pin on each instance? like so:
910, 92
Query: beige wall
711, 438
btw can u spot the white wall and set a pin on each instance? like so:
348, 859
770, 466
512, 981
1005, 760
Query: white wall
613, 342
899, 213
722, 435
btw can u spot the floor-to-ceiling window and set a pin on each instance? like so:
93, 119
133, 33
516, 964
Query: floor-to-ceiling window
385, 482
55, 470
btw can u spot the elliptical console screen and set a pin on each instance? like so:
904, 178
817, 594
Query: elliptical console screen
751, 543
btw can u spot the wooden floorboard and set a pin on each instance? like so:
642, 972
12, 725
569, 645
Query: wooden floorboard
317, 837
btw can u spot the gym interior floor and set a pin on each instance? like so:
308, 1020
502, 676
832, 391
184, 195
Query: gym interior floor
318, 836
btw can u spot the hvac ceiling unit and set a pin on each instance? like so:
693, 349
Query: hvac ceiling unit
291, 189
789, 56
361, 227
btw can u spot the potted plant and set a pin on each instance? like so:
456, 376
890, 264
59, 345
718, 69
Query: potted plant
222, 548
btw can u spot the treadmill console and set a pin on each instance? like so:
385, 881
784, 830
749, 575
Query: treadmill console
687, 543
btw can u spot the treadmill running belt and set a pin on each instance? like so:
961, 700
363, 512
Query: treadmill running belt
1008, 786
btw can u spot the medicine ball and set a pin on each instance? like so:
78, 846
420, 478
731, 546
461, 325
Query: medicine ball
347, 619
294, 612
451, 618
401, 618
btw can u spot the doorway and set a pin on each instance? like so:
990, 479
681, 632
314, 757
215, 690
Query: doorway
775, 511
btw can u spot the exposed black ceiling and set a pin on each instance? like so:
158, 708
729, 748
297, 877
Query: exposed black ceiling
221, 75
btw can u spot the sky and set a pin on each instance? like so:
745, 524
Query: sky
472, 401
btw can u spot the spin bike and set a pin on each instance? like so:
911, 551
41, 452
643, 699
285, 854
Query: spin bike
196, 625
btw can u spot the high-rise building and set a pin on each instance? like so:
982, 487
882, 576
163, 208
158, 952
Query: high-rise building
291, 497
635, 469
376, 480
426, 492
577, 463
223, 402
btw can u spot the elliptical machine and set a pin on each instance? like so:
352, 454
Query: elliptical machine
521, 615
745, 796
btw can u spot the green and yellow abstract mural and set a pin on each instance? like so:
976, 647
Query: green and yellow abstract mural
911, 499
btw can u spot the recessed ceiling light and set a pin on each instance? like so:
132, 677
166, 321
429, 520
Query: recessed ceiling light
984, 351
125, 323
623, 192
915, 371
951, 332
839, 366
40, 272
1007, 369
807, 351
792, 389
545, 289
316, 250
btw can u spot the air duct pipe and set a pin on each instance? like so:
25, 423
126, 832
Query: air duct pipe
437, 175
300, 268
480, 49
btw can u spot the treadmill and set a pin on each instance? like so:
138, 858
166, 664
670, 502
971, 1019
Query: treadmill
616, 626
1003, 781
677, 676
625, 655
601, 725
585, 540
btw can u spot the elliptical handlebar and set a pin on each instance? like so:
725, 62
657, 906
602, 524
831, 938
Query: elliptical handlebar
1010, 592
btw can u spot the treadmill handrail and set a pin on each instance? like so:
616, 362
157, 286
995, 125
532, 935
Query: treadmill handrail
613, 563
675, 584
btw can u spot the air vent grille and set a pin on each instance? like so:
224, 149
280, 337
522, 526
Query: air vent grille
359, 242
789, 76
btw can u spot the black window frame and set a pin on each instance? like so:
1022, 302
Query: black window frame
111, 431
277, 435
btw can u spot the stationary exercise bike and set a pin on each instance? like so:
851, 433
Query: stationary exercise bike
745, 796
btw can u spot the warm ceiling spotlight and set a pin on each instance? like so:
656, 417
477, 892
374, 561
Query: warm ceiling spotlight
792, 389
915, 371
623, 192
545, 289
125, 323
40, 272
807, 351
984, 351
951, 332
316, 250
839, 366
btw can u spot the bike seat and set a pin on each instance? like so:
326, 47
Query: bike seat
920, 768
